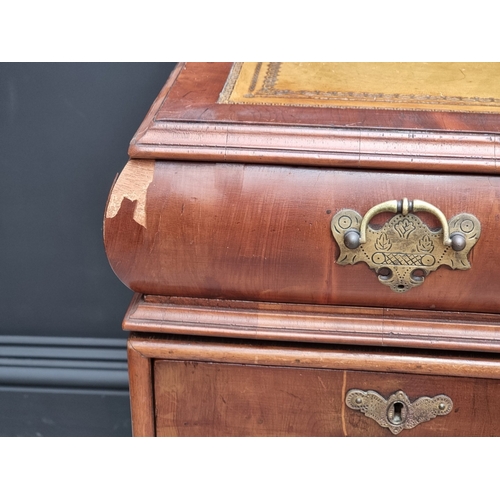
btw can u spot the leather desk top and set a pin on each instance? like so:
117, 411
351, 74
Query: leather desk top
318, 114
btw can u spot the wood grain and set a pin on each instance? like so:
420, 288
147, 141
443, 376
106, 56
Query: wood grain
209, 399
316, 356
314, 323
262, 233
141, 393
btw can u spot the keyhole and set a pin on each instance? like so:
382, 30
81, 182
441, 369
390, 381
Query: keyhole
397, 417
397, 413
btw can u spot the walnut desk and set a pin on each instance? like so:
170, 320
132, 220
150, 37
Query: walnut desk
315, 251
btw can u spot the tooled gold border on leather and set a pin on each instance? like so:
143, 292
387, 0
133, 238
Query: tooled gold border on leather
268, 90
234, 73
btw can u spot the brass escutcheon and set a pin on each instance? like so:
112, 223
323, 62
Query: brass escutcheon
405, 250
398, 412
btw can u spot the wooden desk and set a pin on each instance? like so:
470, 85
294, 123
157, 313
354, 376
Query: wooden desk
261, 308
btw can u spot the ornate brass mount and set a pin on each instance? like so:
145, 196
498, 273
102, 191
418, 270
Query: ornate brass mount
397, 412
405, 250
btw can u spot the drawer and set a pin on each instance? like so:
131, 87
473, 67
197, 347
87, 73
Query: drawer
213, 399
208, 388
263, 233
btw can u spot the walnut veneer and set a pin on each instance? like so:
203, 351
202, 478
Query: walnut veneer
243, 322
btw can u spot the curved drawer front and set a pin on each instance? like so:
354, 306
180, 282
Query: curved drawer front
263, 233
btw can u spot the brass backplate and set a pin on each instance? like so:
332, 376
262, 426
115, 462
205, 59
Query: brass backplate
398, 412
404, 250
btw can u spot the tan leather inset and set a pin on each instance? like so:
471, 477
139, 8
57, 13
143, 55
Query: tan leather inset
428, 86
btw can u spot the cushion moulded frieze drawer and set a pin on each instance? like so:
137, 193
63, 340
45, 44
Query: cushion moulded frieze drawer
262, 233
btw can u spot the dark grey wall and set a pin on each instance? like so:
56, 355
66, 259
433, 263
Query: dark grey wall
64, 135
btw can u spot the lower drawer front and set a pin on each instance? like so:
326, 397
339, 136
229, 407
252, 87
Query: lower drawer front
218, 399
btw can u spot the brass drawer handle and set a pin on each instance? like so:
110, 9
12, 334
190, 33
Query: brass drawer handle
397, 412
405, 250
405, 207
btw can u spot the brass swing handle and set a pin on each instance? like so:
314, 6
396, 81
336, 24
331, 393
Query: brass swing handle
353, 238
